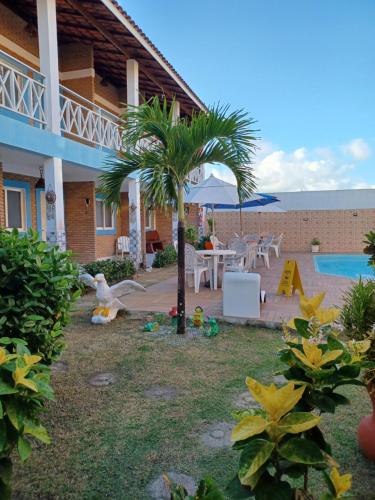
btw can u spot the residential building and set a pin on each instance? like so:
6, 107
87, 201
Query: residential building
67, 70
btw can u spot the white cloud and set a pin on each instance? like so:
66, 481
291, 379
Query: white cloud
358, 149
299, 170
303, 170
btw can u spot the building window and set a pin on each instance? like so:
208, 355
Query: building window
150, 217
104, 216
15, 208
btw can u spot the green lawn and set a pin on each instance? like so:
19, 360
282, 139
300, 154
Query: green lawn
111, 442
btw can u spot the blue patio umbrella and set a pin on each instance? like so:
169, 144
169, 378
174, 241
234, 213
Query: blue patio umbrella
259, 200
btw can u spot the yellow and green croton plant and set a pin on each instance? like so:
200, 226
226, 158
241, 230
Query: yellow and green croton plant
24, 388
282, 442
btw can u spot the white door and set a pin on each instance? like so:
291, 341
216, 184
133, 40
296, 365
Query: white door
43, 215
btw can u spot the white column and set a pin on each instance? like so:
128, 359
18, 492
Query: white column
54, 202
176, 116
132, 82
135, 225
49, 61
49, 66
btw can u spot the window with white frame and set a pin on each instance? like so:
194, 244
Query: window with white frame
150, 217
15, 208
104, 215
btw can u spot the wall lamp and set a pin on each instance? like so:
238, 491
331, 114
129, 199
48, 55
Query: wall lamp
133, 207
355, 214
87, 202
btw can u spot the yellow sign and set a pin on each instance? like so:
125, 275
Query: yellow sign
290, 280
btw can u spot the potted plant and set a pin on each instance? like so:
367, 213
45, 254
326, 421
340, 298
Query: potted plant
315, 245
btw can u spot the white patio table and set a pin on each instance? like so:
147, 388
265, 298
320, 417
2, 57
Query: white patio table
213, 262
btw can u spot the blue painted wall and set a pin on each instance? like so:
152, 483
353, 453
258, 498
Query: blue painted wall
17, 134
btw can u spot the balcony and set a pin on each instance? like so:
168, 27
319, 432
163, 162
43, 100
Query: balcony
22, 91
22, 96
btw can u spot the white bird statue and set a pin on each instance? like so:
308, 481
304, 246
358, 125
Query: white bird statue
108, 303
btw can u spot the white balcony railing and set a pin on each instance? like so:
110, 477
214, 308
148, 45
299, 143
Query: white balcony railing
22, 90
81, 118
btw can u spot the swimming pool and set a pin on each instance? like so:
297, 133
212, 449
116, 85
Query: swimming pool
349, 266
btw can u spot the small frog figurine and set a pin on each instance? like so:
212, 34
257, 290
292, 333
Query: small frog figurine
213, 328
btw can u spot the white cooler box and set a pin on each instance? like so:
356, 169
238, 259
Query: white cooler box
241, 295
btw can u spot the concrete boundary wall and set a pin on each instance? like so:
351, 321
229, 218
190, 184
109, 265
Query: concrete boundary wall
338, 230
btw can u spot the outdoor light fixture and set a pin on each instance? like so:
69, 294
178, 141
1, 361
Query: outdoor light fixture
87, 202
40, 184
355, 214
305, 219
133, 207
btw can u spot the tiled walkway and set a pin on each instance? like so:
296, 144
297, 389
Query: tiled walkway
162, 296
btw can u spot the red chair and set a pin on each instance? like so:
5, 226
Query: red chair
153, 242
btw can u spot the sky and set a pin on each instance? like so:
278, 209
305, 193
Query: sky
304, 69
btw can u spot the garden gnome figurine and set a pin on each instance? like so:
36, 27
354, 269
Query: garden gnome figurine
198, 318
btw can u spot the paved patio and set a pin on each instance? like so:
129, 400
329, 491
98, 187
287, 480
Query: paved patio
161, 296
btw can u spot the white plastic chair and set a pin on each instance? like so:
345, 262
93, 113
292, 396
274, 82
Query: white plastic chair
251, 237
123, 245
195, 265
263, 251
276, 244
236, 263
216, 242
251, 257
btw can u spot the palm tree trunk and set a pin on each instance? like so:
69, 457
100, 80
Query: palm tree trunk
181, 322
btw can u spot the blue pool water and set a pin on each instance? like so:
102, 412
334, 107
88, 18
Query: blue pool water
349, 266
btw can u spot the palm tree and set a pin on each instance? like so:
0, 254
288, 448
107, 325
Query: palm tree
164, 151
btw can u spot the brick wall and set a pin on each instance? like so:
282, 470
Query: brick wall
12, 27
108, 92
80, 221
338, 230
73, 57
163, 225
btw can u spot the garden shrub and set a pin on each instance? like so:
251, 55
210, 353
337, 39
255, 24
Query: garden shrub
165, 257
370, 247
114, 270
24, 388
358, 312
38, 285
191, 235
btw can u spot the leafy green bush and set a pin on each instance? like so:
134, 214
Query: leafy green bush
191, 235
358, 312
38, 285
165, 257
370, 247
113, 270
25, 385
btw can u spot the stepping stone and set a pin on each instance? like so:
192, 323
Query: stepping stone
280, 379
245, 401
159, 490
160, 392
217, 435
102, 379
59, 366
